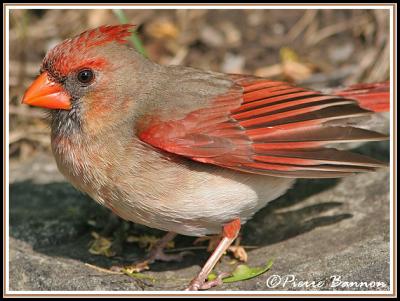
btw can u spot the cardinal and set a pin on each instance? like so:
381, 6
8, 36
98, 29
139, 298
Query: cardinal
188, 151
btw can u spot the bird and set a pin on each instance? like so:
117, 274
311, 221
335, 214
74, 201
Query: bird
188, 151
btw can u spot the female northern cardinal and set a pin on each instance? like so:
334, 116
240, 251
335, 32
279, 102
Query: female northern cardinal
189, 151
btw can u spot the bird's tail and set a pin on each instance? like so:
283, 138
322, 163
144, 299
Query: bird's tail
374, 96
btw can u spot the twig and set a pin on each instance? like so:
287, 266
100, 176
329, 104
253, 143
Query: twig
375, 60
302, 24
381, 66
102, 269
313, 38
327, 32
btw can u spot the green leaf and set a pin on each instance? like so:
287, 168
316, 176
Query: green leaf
211, 276
244, 272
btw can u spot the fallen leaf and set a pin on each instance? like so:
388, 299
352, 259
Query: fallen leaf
287, 54
292, 67
138, 275
163, 29
212, 276
296, 71
238, 252
101, 245
243, 272
269, 71
136, 268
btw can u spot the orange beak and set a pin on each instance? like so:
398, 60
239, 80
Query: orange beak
46, 94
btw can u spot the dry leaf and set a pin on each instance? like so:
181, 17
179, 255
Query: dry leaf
269, 71
101, 246
296, 71
163, 29
238, 252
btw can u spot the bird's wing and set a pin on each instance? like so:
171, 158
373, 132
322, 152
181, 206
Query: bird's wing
269, 127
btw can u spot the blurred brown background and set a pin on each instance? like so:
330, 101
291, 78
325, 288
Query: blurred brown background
315, 48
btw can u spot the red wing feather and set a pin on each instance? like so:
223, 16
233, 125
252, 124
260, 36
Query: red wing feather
374, 97
276, 129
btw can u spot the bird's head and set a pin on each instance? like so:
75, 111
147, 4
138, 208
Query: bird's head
85, 77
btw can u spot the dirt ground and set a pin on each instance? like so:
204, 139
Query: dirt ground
320, 228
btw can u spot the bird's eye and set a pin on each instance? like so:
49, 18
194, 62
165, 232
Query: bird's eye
85, 76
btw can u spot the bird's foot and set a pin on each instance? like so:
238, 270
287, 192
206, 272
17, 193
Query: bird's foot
200, 284
162, 256
238, 251
229, 232
156, 254
145, 264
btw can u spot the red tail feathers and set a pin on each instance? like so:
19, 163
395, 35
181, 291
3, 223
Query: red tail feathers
374, 97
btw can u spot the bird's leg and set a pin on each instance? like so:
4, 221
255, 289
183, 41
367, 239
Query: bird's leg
229, 233
156, 253
238, 252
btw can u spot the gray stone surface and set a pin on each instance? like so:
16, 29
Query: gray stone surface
319, 229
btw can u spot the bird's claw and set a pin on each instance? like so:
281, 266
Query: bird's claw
198, 284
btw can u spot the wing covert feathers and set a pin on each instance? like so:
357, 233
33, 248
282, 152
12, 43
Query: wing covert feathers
273, 128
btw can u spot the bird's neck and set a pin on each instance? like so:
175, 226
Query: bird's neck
66, 123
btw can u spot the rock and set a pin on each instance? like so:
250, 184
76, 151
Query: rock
318, 230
